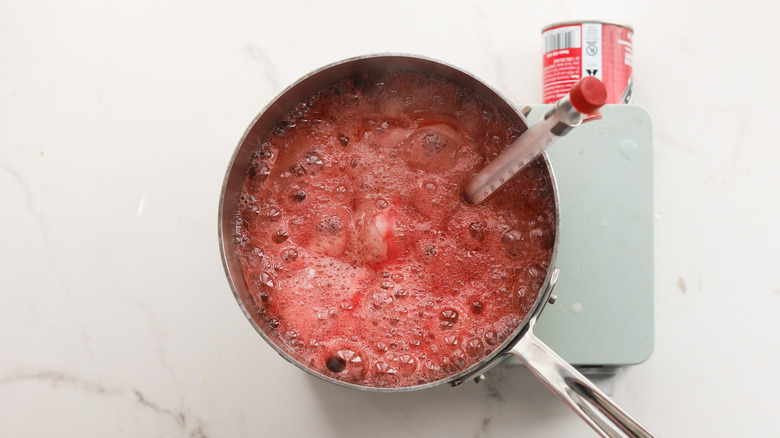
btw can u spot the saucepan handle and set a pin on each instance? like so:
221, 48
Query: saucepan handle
598, 410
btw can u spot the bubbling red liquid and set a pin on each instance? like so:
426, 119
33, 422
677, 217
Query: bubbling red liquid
363, 261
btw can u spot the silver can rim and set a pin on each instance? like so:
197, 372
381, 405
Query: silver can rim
573, 22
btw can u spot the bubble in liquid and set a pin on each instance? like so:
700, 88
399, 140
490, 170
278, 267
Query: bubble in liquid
475, 346
491, 337
430, 369
336, 364
477, 231
372, 88
381, 204
459, 358
522, 291
295, 223
292, 337
511, 238
513, 243
283, 128
289, 255
273, 214
536, 232
259, 171
298, 196
252, 205
448, 318
387, 285
462, 97
343, 140
355, 368
313, 159
264, 151
280, 236
350, 356
380, 299
242, 240
254, 257
407, 364
297, 169
274, 323
451, 340
513, 132
266, 279
349, 98
380, 347
477, 307
320, 186
383, 367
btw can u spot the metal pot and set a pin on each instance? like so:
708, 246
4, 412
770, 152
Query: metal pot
563, 379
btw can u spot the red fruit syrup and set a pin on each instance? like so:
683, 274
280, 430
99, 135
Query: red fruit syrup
363, 261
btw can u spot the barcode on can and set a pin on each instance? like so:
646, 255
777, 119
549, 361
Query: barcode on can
576, 49
562, 38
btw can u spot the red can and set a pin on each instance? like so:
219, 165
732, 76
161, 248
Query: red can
575, 49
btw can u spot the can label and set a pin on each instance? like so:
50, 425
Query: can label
573, 51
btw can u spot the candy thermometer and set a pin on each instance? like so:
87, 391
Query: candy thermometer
580, 105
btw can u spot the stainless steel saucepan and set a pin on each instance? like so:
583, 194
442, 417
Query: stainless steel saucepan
572, 387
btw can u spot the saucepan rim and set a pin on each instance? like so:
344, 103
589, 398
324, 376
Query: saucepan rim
290, 96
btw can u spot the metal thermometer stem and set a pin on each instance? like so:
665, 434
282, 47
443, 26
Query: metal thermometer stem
557, 122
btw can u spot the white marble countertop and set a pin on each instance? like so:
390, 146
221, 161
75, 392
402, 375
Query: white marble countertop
117, 121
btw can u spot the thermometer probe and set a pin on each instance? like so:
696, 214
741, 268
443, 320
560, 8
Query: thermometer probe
580, 105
